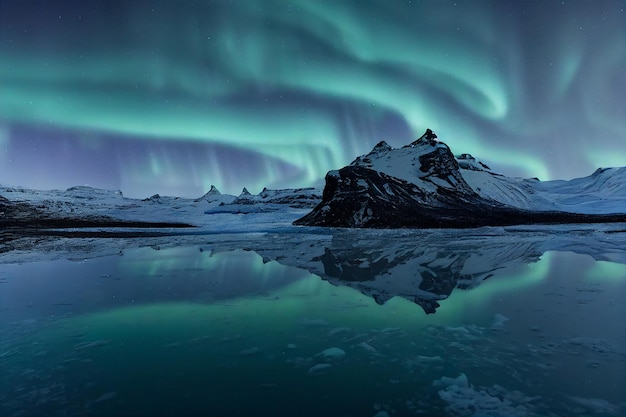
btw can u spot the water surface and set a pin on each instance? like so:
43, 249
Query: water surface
195, 330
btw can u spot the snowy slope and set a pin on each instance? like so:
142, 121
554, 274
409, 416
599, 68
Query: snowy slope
86, 203
602, 192
515, 192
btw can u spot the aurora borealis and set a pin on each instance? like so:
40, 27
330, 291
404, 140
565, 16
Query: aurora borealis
169, 96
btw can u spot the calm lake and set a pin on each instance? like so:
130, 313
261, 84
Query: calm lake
200, 329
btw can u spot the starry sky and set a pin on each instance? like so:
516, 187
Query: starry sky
171, 96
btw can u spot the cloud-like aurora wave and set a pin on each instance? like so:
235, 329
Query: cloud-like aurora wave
533, 89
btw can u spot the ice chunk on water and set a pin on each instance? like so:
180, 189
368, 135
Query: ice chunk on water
247, 352
319, 369
369, 348
597, 405
89, 345
106, 396
466, 400
498, 321
460, 381
331, 354
429, 359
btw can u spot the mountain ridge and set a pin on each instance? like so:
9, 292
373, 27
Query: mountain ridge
423, 185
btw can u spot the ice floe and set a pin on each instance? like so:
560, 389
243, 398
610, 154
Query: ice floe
331, 354
319, 369
463, 399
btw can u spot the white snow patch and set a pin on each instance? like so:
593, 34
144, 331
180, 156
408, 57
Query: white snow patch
439, 182
388, 189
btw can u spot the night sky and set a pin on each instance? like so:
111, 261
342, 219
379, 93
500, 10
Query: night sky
172, 96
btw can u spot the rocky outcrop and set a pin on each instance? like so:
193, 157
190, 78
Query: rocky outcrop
420, 186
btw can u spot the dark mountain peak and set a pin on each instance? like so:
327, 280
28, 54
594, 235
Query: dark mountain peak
429, 137
381, 146
465, 157
265, 193
599, 171
377, 151
211, 195
155, 197
244, 192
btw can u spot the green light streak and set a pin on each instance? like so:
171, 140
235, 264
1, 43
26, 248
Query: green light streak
606, 271
470, 77
200, 72
509, 280
606, 158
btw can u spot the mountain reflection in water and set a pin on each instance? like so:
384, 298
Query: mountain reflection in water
243, 324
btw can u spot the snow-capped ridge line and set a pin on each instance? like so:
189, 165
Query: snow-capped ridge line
87, 207
423, 184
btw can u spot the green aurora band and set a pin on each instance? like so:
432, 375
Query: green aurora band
534, 89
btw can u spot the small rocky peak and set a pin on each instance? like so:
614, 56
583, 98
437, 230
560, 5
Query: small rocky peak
381, 146
265, 193
467, 161
210, 195
155, 197
598, 172
213, 191
428, 137
466, 157
244, 192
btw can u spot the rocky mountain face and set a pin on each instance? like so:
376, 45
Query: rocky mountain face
422, 185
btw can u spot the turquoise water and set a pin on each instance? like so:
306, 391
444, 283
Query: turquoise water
188, 332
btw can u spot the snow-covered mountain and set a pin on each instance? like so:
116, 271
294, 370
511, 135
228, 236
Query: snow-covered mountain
424, 185
419, 185
86, 207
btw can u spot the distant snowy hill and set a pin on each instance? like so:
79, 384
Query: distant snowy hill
86, 207
602, 192
424, 185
